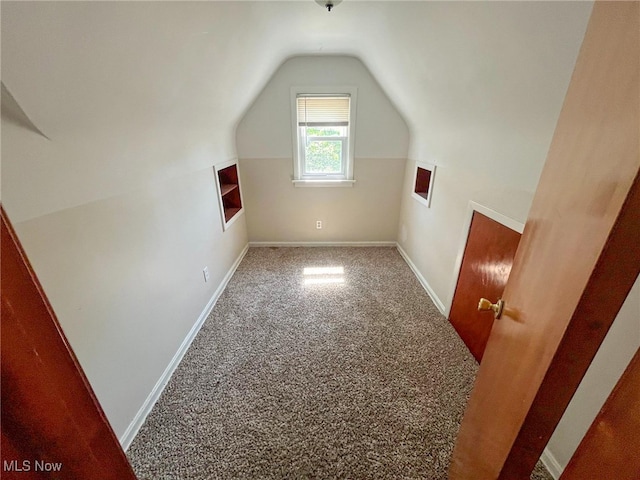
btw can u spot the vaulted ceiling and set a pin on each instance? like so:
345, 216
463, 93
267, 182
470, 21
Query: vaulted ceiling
106, 80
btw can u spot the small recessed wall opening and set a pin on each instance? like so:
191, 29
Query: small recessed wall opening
423, 183
423, 180
229, 192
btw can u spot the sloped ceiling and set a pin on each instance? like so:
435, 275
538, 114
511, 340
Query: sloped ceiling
142, 91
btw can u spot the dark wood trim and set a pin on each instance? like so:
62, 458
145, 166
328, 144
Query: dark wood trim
611, 445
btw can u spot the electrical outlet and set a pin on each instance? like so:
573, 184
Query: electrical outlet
205, 272
319, 224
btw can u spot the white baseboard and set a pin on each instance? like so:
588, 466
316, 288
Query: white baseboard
147, 406
553, 466
437, 302
322, 244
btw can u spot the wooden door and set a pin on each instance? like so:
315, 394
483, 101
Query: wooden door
611, 447
577, 259
486, 264
52, 424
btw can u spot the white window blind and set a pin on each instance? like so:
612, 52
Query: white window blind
323, 111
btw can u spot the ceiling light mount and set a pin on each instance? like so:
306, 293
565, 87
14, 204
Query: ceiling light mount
328, 4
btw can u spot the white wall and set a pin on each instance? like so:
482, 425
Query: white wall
431, 237
117, 210
276, 210
493, 96
124, 276
125, 91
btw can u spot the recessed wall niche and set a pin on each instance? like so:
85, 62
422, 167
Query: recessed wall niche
423, 182
229, 195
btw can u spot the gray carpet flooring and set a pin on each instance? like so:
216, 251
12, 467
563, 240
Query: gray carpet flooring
314, 363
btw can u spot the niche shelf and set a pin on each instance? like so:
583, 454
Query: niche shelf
423, 182
229, 195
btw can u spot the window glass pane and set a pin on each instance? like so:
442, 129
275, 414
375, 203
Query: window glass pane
327, 131
323, 156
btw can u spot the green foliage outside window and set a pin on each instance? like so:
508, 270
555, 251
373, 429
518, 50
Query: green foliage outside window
323, 132
324, 156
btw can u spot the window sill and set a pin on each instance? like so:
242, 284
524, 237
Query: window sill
323, 183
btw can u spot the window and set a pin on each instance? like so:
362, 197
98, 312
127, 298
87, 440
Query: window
323, 136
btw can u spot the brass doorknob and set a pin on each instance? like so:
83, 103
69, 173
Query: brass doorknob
485, 305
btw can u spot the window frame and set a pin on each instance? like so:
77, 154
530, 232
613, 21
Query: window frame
300, 177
